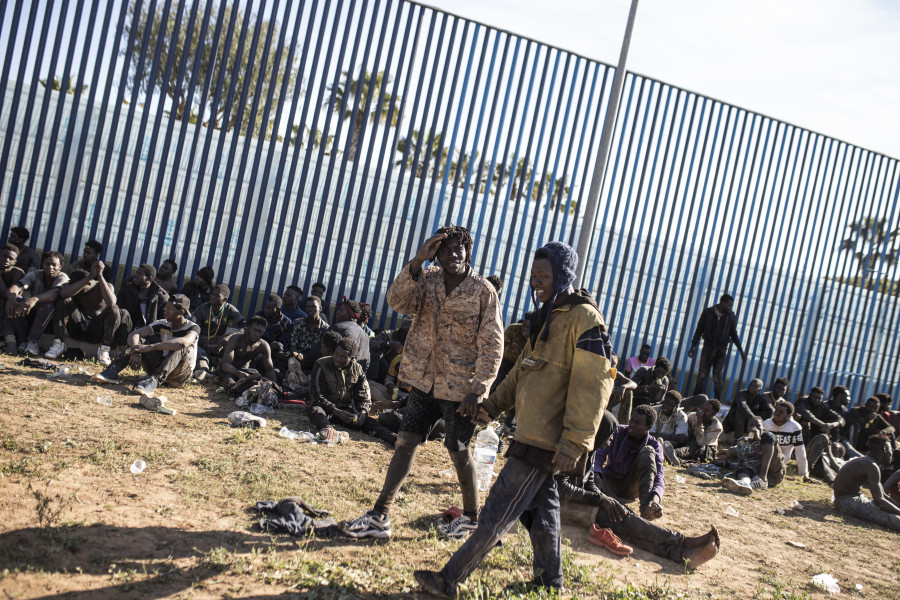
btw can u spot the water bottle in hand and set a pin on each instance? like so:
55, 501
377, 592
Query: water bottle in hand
485, 454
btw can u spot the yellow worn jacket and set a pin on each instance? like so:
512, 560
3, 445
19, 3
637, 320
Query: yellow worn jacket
560, 386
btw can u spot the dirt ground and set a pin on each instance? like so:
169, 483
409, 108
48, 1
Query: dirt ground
76, 523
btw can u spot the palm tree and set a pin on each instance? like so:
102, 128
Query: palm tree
352, 94
422, 167
56, 85
873, 245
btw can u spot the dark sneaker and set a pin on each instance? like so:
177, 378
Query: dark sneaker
368, 525
434, 583
105, 376
146, 387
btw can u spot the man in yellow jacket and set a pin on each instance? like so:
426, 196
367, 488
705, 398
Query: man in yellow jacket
559, 386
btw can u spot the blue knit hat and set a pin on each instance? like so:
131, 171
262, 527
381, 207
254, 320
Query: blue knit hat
564, 262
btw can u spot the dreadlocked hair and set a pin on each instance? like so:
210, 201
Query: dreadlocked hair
365, 313
461, 235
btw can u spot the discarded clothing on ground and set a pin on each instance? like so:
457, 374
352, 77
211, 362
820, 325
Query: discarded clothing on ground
296, 518
264, 392
40, 363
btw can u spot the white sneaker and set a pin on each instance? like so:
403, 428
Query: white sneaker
32, 349
56, 349
758, 484
103, 355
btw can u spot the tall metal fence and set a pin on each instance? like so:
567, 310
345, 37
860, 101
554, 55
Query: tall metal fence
292, 142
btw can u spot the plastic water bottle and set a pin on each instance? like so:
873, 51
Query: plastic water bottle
485, 454
287, 433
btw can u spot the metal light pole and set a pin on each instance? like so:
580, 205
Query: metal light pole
590, 213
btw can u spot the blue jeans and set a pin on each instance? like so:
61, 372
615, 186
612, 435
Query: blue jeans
521, 492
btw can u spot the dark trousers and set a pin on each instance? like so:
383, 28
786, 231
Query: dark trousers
320, 420
638, 483
173, 369
644, 534
711, 357
522, 492
31, 326
108, 328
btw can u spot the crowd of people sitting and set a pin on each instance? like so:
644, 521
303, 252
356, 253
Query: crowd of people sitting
449, 364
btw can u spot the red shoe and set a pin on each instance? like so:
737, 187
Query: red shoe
609, 540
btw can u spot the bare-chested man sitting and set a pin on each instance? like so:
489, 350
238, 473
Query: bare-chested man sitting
242, 350
848, 497
87, 311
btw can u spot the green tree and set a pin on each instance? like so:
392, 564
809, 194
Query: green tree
313, 138
873, 246
56, 85
216, 59
423, 163
350, 96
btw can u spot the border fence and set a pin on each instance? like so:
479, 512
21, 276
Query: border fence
292, 142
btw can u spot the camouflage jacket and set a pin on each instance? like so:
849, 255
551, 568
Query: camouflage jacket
455, 342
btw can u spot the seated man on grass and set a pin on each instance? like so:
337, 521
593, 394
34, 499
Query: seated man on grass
652, 382
243, 349
760, 464
87, 311
615, 520
290, 303
789, 436
671, 427
704, 430
866, 471
747, 404
278, 326
306, 333
142, 297
30, 316
166, 349
9, 275
631, 466
165, 276
339, 394
217, 319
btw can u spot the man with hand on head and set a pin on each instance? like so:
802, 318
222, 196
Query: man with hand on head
450, 358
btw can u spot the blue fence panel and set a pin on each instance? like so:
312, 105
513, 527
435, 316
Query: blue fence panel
324, 141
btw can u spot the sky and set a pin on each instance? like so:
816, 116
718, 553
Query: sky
826, 65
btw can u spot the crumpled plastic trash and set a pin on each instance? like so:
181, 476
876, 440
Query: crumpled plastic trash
731, 512
797, 505
827, 582
138, 466
680, 479
240, 418
261, 409
447, 473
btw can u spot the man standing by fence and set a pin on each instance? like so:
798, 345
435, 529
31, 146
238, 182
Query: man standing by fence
451, 356
718, 327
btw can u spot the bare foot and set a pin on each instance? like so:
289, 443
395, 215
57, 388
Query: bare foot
694, 557
703, 540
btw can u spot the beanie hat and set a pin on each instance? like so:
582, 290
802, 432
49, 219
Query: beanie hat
207, 274
564, 261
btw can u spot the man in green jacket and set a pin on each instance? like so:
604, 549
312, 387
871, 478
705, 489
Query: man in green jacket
560, 386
